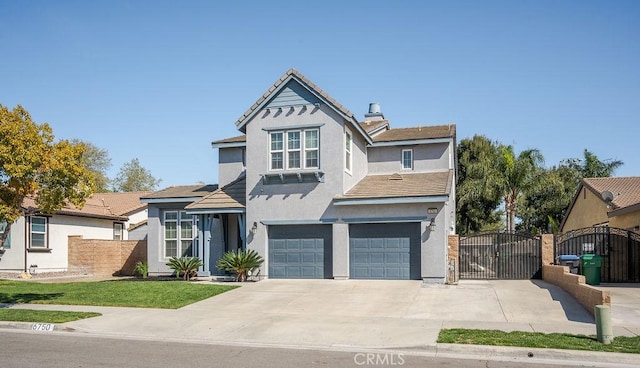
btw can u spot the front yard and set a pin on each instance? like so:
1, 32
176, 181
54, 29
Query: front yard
120, 293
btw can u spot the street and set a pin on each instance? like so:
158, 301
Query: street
21, 349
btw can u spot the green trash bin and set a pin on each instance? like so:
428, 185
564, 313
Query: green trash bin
590, 265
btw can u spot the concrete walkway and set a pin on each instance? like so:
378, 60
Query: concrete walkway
355, 315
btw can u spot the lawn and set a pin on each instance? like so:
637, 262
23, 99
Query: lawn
42, 316
620, 344
120, 293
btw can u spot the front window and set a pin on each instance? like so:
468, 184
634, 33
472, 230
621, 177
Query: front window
179, 234
3, 228
407, 159
38, 238
348, 142
117, 231
300, 151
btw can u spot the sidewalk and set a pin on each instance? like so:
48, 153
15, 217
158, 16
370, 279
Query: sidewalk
355, 316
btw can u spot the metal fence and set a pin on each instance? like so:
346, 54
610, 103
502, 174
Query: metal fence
619, 248
500, 255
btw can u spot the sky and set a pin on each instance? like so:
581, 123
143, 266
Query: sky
160, 80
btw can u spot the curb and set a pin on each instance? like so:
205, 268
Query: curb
574, 357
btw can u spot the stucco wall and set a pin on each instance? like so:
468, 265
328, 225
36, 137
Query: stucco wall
230, 165
629, 221
59, 228
588, 210
387, 160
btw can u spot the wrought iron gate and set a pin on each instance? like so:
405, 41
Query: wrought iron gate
500, 255
619, 248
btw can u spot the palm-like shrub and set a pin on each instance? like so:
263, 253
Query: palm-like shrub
142, 269
187, 266
241, 262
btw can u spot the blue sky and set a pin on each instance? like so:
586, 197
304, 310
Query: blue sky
160, 80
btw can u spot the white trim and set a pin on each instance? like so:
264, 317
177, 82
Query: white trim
348, 165
411, 142
228, 145
395, 200
410, 168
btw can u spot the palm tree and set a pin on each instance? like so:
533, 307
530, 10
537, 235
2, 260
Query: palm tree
592, 167
514, 176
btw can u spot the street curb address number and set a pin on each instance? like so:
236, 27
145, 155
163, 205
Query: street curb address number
46, 327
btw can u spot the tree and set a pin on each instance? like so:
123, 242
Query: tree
544, 208
515, 175
592, 167
133, 177
476, 204
97, 161
32, 164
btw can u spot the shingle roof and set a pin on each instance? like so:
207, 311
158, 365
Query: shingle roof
114, 206
183, 191
240, 138
369, 126
232, 195
301, 78
626, 190
401, 185
427, 132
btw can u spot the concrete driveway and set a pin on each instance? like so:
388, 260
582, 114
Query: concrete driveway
349, 314
625, 303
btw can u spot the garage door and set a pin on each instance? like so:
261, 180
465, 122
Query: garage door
300, 252
384, 251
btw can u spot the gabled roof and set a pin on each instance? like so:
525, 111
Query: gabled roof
111, 206
416, 133
401, 186
230, 142
293, 74
226, 199
625, 190
374, 126
184, 193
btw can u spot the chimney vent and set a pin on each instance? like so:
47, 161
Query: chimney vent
374, 112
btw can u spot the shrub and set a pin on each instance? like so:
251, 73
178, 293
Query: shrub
187, 266
241, 262
142, 269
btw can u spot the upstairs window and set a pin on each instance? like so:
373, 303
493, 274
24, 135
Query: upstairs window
348, 142
300, 151
407, 159
117, 231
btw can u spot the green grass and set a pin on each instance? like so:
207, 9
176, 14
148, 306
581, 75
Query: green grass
620, 344
42, 316
122, 293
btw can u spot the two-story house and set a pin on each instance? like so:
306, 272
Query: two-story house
318, 194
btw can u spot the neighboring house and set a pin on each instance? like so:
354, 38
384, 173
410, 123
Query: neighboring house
42, 239
613, 202
319, 194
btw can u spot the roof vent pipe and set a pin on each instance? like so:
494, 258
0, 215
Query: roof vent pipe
374, 108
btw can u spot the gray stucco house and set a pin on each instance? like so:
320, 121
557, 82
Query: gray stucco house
317, 193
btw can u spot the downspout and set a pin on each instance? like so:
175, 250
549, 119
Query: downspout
26, 242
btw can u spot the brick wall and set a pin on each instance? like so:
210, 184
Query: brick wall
453, 273
575, 285
105, 257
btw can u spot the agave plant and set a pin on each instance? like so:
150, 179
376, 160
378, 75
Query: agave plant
187, 266
242, 263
